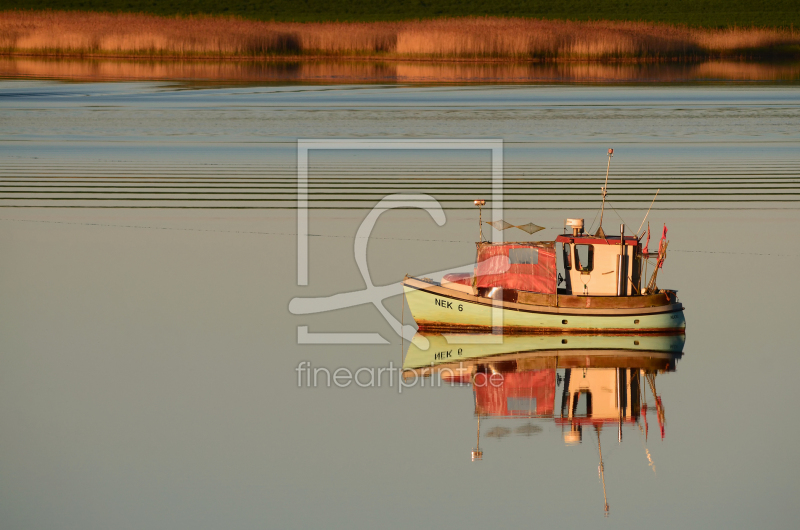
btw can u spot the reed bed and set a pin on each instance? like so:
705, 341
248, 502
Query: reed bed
137, 35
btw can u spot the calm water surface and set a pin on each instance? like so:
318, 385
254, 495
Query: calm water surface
148, 356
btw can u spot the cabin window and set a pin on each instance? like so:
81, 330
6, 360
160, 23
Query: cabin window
521, 404
584, 257
567, 256
523, 256
582, 404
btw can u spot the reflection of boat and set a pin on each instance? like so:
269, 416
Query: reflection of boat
514, 287
457, 347
526, 366
603, 380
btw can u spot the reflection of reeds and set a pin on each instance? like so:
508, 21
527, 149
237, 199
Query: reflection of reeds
76, 33
347, 71
725, 70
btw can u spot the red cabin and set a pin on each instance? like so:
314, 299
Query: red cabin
516, 266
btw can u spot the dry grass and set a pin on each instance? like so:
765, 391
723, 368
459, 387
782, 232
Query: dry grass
98, 34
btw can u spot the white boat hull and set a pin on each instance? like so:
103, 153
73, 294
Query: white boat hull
437, 308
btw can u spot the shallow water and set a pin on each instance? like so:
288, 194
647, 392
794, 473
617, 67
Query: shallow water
149, 356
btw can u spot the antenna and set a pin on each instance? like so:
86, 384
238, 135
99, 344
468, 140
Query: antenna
480, 203
600, 232
648, 213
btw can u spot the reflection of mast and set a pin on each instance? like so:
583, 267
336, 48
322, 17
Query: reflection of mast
647, 452
477, 454
643, 396
602, 470
644, 409
619, 400
651, 379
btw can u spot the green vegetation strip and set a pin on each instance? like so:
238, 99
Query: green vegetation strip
705, 13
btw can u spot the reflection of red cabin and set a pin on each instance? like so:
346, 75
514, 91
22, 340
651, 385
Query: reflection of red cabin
530, 393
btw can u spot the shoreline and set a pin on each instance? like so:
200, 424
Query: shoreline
348, 71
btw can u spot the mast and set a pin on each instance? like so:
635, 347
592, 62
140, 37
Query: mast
600, 232
622, 261
480, 203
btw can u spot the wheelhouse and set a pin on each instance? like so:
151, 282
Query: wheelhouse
605, 266
591, 265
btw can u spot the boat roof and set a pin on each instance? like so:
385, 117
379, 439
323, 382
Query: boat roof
586, 239
545, 244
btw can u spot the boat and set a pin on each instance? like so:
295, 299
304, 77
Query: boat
516, 288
